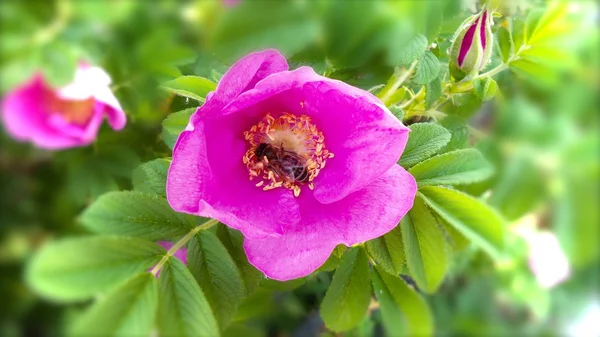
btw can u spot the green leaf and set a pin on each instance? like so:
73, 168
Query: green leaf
217, 274
403, 54
334, 259
474, 219
129, 310
79, 268
427, 69
234, 242
485, 89
403, 311
59, 63
183, 308
174, 124
505, 43
424, 140
151, 177
433, 92
282, 286
425, 247
194, 87
348, 296
388, 251
458, 167
136, 214
259, 303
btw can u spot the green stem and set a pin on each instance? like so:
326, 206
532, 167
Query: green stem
63, 15
182, 242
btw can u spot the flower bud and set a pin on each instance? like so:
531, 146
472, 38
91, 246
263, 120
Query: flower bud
472, 46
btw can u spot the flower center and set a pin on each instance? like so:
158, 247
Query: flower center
73, 111
288, 151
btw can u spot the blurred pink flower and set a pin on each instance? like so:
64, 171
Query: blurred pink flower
62, 118
297, 162
547, 260
231, 3
179, 254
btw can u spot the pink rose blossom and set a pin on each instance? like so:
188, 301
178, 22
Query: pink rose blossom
547, 260
297, 162
62, 118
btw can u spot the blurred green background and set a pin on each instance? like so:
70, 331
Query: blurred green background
543, 138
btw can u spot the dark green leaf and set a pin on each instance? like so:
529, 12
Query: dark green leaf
136, 214
474, 219
424, 140
452, 168
402, 309
183, 308
425, 247
234, 240
194, 87
388, 251
218, 275
334, 259
79, 268
427, 69
174, 124
129, 310
433, 92
282, 286
151, 177
348, 296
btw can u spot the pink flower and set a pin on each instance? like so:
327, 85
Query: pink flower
180, 254
547, 260
62, 118
297, 162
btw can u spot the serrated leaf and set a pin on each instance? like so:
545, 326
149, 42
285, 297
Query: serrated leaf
458, 167
425, 247
403, 311
486, 88
388, 251
471, 217
183, 309
424, 140
433, 92
136, 214
218, 275
79, 268
409, 52
234, 242
151, 177
195, 87
174, 124
334, 259
129, 310
505, 43
427, 69
348, 296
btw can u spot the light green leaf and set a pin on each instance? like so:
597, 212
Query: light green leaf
195, 87
402, 309
59, 62
218, 275
403, 54
183, 309
424, 140
151, 177
505, 43
79, 268
427, 69
486, 88
174, 124
474, 219
388, 251
136, 214
452, 168
234, 242
433, 92
425, 247
129, 310
348, 296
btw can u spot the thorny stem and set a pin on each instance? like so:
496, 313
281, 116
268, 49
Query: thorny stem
182, 243
398, 83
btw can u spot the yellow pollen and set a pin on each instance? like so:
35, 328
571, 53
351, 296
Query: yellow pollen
292, 151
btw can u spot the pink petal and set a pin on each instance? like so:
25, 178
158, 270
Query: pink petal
466, 43
361, 216
364, 136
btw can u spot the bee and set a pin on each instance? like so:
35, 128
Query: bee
288, 165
